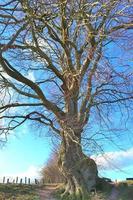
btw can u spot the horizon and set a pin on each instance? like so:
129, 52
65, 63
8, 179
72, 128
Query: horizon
25, 154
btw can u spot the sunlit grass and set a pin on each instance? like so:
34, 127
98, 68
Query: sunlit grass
18, 192
125, 192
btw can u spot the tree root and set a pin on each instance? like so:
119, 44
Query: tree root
78, 194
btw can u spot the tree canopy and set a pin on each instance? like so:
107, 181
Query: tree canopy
54, 63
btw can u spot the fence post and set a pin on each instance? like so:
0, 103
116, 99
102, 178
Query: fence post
25, 180
16, 180
8, 180
4, 179
36, 182
29, 181
21, 181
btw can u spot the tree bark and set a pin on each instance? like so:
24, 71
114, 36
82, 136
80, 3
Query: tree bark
79, 170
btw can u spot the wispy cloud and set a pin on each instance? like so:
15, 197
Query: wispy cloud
117, 159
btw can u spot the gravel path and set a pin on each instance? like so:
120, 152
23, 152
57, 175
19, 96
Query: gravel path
46, 193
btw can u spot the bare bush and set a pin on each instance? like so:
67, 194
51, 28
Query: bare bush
50, 172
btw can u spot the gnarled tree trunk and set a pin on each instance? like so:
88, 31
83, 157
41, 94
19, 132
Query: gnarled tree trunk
79, 170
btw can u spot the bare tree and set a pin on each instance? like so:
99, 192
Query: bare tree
50, 172
55, 70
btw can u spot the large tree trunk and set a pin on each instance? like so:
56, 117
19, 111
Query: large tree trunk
79, 170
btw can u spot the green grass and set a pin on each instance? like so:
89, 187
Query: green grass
18, 192
98, 196
125, 193
29, 192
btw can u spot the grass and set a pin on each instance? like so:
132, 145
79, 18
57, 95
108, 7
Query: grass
125, 192
29, 192
98, 196
129, 182
60, 190
18, 192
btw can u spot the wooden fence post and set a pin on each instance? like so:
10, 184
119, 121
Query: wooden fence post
21, 181
36, 182
29, 181
16, 180
25, 180
4, 179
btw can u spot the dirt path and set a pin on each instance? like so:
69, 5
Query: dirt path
114, 194
46, 193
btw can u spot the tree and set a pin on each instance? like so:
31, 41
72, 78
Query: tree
50, 172
64, 44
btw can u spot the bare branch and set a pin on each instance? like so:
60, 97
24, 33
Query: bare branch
19, 77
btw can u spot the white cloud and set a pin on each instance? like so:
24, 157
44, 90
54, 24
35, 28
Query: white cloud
117, 159
32, 172
31, 76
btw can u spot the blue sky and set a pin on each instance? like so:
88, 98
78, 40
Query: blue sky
25, 153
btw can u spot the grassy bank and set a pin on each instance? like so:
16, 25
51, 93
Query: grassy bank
119, 192
18, 192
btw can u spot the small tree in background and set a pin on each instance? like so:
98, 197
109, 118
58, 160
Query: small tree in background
50, 172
